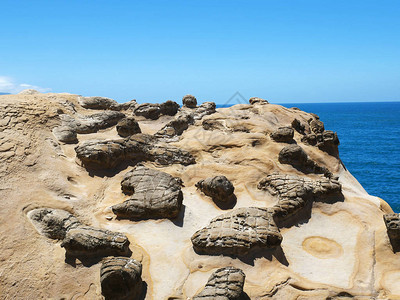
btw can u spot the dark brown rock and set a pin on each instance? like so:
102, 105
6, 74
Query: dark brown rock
189, 101
317, 126
298, 126
148, 110
155, 195
256, 100
127, 127
219, 188
224, 284
87, 241
283, 135
176, 126
98, 103
295, 192
237, 232
121, 279
392, 222
95, 122
169, 108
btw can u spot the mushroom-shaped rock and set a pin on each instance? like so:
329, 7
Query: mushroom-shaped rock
88, 241
148, 110
189, 101
121, 278
53, 223
219, 188
155, 194
256, 100
127, 127
224, 284
237, 232
392, 222
169, 108
295, 192
293, 155
283, 134
98, 103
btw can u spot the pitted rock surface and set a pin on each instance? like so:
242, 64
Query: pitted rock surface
219, 188
155, 194
169, 108
237, 232
78, 239
256, 100
295, 155
224, 284
88, 241
295, 192
127, 127
283, 135
392, 222
317, 126
110, 153
121, 278
189, 101
327, 141
53, 223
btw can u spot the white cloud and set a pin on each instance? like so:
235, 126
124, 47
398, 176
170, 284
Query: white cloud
9, 85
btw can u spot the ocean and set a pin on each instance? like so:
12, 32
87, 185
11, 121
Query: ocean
369, 134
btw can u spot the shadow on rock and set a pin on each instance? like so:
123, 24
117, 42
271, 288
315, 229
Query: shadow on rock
264, 253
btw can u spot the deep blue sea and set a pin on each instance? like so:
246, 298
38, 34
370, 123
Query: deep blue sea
369, 135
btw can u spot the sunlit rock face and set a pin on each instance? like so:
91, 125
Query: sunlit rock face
157, 201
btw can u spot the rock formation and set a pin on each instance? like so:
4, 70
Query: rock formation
225, 284
256, 100
392, 222
283, 135
237, 232
154, 110
127, 127
189, 101
155, 194
219, 188
121, 278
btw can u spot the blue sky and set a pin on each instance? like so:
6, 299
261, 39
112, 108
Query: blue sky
284, 51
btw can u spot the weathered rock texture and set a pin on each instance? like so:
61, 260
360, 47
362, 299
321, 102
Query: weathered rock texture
189, 101
294, 192
110, 153
127, 127
283, 135
121, 278
333, 248
392, 222
219, 188
77, 239
154, 110
256, 100
237, 232
155, 194
224, 284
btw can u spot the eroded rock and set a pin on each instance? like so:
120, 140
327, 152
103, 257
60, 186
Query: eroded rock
237, 232
155, 194
298, 126
98, 103
295, 192
121, 278
127, 127
169, 108
148, 110
219, 188
283, 135
256, 100
189, 101
327, 141
224, 284
392, 222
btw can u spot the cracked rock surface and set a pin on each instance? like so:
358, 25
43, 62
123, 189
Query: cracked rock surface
219, 188
224, 284
155, 194
237, 232
121, 278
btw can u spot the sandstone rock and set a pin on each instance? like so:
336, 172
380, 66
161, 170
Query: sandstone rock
110, 153
256, 100
298, 126
95, 122
295, 192
237, 232
127, 127
177, 126
283, 135
53, 223
98, 103
206, 108
121, 278
224, 284
169, 108
392, 222
148, 110
65, 134
189, 101
87, 241
317, 126
29, 92
295, 155
219, 188
155, 195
